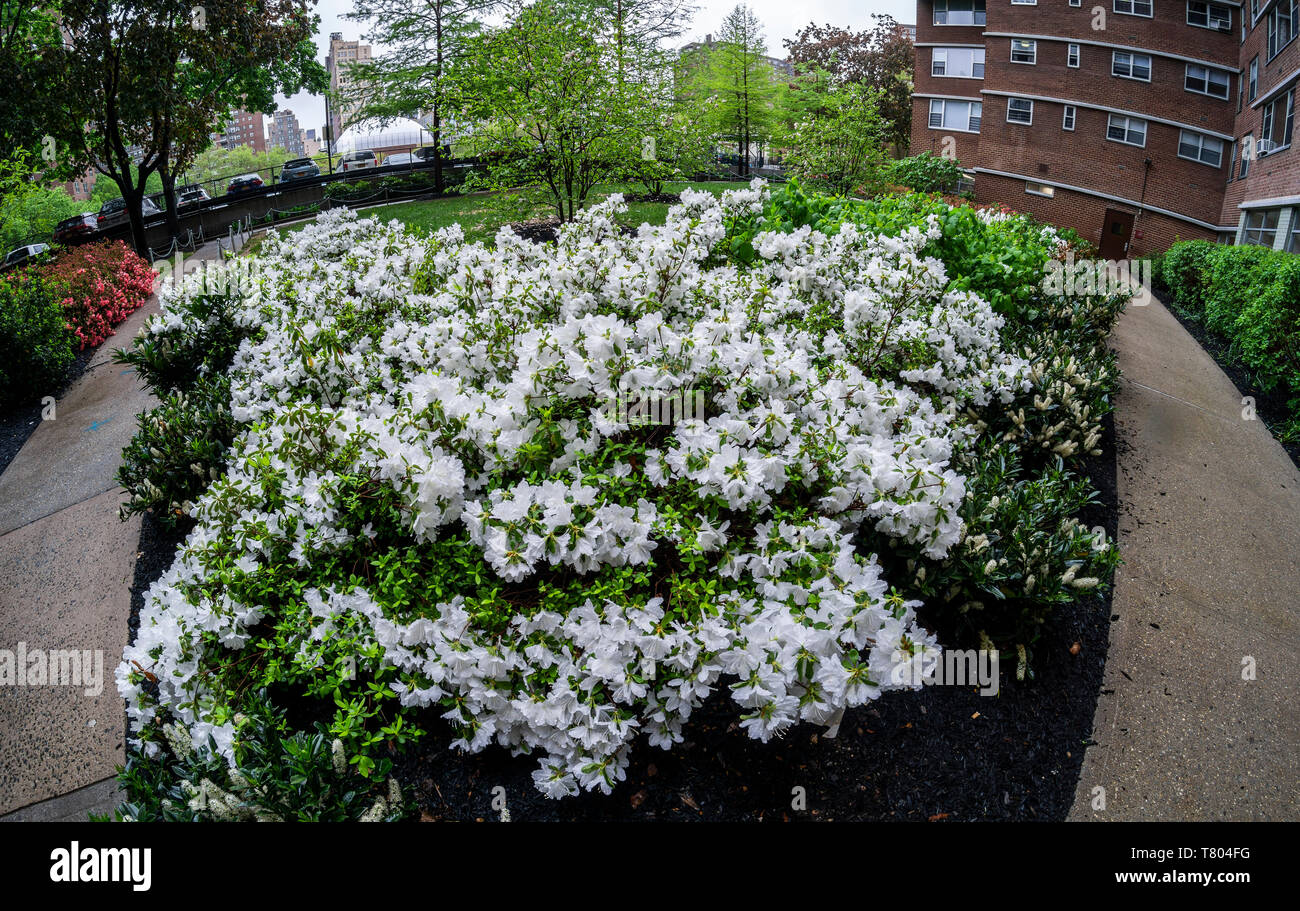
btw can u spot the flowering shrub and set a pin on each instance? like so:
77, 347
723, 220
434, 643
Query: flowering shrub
35, 344
101, 285
428, 505
927, 172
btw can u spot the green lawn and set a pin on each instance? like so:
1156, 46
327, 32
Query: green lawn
480, 218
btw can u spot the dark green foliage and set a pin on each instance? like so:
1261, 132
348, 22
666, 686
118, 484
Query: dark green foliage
179, 449
1250, 296
181, 445
35, 341
280, 776
926, 173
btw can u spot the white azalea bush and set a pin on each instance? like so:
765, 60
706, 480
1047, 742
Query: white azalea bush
433, 507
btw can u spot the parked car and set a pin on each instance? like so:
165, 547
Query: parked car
189, 197
70, 229
405, 158
299, 169
355, 161
113, 212
24, 255
244, 183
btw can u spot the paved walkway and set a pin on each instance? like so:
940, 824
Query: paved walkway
1210, 587
67, 563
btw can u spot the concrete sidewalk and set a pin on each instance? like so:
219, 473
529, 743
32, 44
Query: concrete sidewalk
66, 566
1209, 531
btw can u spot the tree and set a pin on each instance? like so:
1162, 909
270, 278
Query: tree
30, 45
141, 82
881, 57
215, 163
549, 112
637, 29
30, 214
246, 74
739, 79
841, 147
425, 45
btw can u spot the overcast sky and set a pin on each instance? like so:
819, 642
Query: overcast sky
781, 19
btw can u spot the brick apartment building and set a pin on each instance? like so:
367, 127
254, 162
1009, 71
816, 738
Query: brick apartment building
244, 129
1134, 122
286, 134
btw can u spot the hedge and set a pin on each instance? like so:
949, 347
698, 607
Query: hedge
1250, 296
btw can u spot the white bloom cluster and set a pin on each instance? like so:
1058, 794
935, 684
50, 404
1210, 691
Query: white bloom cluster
468, 380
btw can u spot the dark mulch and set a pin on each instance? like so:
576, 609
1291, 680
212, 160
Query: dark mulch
19, 422
942, 753
157, 550
670, 198
538, 230
1270, 407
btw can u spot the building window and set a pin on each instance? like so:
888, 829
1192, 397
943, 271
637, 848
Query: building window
1232, 163
1293, 245
1199, 147
1067, 119
1279, 120
1254, 11
1209, 15
964, 62
1205, 81
1072, 56
1247, 153
959, 12
1020, 110
1129, 130
947, 114
1261, 227
1282, 26
1040, 189
1134, 7
1024, 50
1076, 2
1130, 66
1024, 2
1254, 78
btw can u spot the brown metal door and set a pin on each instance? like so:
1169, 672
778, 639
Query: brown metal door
1115, 234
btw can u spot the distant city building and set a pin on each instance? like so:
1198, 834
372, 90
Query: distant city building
310, 144
245, 129
342, 55
82, 187
779, 66
286, 134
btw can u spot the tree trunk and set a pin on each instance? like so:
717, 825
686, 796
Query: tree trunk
134, 197
437, 149
169, 197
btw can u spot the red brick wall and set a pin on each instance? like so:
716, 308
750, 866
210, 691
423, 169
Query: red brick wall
1168, 31
1278, 174
1086, 158
1152, 232
966, 145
